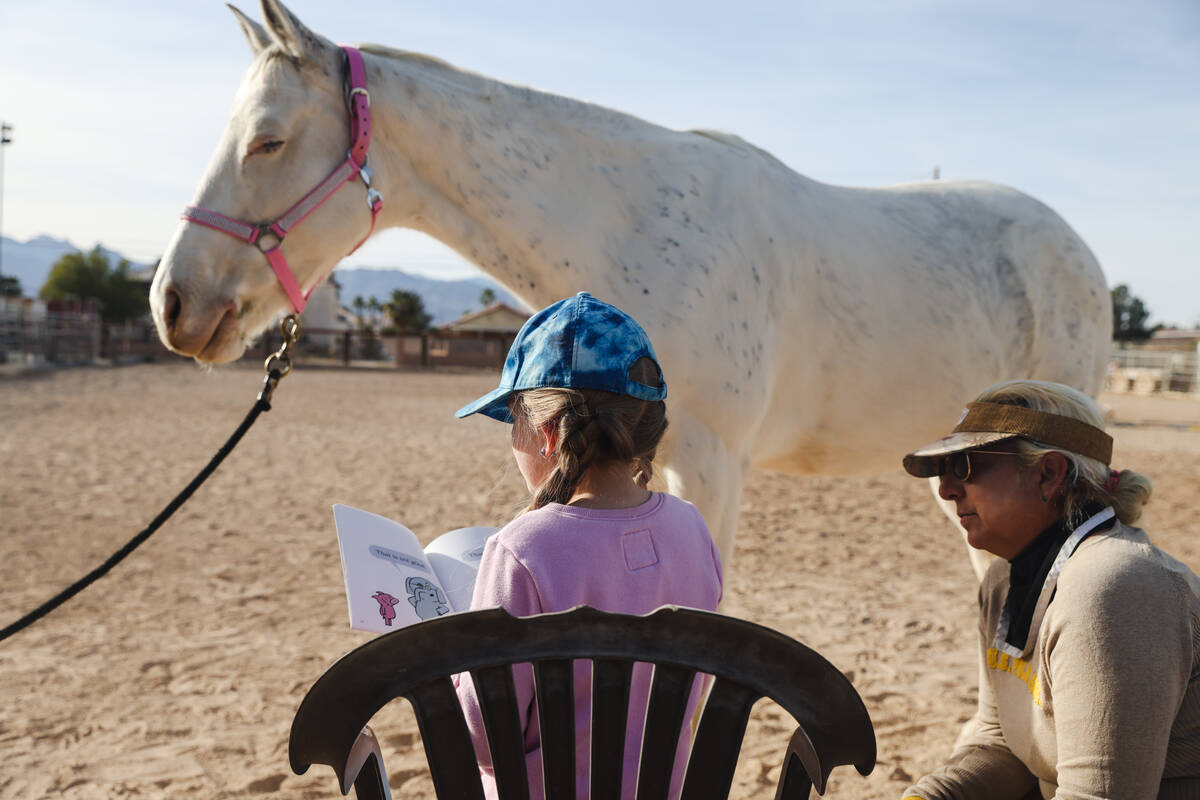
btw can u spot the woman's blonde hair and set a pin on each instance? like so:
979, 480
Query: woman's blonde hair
595, 429
1088, 481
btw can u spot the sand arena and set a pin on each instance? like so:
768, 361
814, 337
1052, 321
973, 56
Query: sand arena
178, 674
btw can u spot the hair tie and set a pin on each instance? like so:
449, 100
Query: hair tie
1114, 478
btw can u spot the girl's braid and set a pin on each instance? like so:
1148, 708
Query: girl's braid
594, 427
578, 446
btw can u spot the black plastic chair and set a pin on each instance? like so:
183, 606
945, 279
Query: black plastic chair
748, 661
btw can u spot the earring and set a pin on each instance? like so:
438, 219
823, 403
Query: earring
1043, 499
543, 454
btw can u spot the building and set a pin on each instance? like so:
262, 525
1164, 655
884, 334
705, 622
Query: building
1169, 361
478, 339
496, 318
1172, 339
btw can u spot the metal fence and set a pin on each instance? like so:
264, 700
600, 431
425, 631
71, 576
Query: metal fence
367, 348
71, 334
67, 338
1145, 371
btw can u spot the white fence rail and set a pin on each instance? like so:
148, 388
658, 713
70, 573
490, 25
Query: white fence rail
1143, 371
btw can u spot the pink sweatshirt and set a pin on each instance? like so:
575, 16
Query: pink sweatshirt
630, 561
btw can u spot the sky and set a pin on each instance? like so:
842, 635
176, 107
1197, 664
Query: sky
1091, 106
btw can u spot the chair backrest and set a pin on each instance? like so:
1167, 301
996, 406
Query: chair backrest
748, 661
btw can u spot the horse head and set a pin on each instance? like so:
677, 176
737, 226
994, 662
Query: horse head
213, 293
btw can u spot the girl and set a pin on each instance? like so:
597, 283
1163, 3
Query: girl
584, 393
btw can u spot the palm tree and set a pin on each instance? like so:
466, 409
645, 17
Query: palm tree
487, 297
407, 312
359, 304
374, 307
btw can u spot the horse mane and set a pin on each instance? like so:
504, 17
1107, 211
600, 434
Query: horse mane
462, 79
408, 55
726, 138
737, 143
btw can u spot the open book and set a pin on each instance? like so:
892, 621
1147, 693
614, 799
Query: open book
392, 582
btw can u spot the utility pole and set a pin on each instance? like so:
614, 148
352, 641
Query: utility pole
5, 138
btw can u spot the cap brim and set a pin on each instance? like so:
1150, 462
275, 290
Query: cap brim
927, 461
494, 404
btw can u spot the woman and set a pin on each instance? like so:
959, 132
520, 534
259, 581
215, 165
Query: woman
1089, 635
584, 393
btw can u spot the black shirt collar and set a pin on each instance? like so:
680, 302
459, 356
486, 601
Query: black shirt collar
1027, 574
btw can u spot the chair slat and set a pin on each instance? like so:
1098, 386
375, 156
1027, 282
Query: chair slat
718, 741
794, 783
554, 685
447, 741
371, 783
610, 711
834, 727
669, 694
502, 720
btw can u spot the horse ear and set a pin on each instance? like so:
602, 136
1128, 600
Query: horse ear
258, 38
293, 35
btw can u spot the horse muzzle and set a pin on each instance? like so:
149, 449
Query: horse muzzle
208, 331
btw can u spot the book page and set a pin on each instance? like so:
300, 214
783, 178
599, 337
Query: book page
389, 581
454, 557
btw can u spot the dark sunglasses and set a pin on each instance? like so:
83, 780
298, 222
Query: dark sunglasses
959, 464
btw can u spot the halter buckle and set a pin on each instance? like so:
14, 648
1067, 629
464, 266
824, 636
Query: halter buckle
265, 230
364, 172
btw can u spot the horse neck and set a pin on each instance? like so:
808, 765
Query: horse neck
515, 180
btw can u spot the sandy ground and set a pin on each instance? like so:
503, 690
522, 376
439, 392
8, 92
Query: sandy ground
179, 673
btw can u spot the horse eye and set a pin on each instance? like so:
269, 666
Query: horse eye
269, 146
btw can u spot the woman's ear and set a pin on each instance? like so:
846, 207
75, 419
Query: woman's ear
1052, 473
549, 435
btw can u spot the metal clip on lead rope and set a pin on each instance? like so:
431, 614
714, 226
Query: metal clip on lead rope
279, 364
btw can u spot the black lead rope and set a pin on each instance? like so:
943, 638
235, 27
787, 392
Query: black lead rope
278, 365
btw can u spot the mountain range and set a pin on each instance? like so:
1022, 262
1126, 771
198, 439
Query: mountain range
31, 261
445, 300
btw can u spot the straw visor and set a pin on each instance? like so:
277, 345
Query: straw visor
985, 423
576, 343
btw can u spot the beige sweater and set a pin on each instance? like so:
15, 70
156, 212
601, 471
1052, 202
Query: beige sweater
1104, 702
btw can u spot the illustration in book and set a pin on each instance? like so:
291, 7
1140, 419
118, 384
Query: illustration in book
391, 581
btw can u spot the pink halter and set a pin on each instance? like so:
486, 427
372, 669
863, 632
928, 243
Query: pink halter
355, 166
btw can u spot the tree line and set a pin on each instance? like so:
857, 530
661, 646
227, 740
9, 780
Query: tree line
91, 276
403, 313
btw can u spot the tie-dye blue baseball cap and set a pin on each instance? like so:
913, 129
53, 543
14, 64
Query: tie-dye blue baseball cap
576, 343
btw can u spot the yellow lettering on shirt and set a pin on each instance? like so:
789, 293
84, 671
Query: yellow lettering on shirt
1022, 669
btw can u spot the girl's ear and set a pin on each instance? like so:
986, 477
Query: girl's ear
549, 435
1052, 473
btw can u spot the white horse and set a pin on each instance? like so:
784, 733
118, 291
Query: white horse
802, 327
